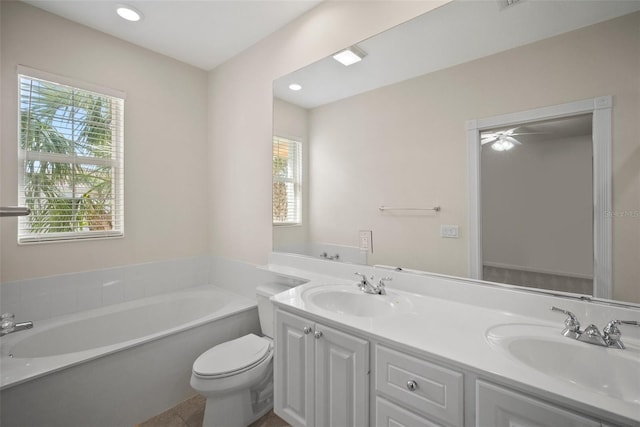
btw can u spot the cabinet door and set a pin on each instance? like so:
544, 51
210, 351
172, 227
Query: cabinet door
294, 369
497, 407
342, 379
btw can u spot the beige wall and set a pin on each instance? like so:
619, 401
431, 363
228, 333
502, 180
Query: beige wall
240, 114
166, 170
406, 144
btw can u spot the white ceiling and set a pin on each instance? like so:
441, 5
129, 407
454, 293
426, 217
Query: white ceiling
455, 33
203, 33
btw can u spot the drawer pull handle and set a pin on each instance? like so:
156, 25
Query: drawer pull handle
306, 330
412, 385
318, 334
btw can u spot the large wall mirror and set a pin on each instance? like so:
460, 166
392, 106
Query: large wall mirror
384, 176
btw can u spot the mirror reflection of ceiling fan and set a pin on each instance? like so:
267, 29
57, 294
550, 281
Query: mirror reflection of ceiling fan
565, 127
502, 140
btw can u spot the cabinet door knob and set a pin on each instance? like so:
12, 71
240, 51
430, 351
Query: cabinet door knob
318, 334
306, 330
412, 385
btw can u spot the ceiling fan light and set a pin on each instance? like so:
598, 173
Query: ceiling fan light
502, 145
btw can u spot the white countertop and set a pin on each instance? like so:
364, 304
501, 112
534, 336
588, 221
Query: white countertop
445, 329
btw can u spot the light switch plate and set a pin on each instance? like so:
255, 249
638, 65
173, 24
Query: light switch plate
366, 241
449, 231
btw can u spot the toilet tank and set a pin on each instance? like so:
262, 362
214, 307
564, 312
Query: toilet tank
265, 307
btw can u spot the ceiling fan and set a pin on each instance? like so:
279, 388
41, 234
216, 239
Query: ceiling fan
502, 140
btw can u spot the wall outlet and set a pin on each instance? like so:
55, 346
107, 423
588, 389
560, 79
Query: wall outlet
366, 241
449, 231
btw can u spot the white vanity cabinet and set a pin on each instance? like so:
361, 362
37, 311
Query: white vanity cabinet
322, 379
497, 406
321, 375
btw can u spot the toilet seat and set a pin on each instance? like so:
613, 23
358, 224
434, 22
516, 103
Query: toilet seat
233, 357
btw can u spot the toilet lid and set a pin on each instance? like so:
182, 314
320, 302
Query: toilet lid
232, 356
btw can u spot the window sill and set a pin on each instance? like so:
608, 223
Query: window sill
70, 237
284, 224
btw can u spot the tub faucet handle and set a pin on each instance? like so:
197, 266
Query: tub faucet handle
7, 323
7, 317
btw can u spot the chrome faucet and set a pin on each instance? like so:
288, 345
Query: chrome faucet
327, 256
366, 286
609, 337
8, 324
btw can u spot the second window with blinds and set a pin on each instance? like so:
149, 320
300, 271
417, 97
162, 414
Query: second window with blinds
287, 181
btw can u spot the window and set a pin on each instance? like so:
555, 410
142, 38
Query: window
287, 173
70, 159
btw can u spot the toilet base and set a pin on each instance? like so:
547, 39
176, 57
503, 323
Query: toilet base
241, 407
235, 410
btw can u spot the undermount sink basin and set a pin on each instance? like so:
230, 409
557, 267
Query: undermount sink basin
349, 300
609, 371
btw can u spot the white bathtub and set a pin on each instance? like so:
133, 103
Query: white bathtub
116, 365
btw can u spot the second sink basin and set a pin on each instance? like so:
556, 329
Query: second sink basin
609, 371
349, 300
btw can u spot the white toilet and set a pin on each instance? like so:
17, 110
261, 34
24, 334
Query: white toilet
236, 376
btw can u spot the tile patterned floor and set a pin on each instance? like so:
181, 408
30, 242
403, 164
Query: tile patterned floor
191, 412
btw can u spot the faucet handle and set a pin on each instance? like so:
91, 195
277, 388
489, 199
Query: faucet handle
611, 326
630, 322
363, 276
381, 283
571, 323
363, 283
612, 334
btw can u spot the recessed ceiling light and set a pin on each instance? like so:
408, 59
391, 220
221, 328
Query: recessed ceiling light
349, 56
295, 86
129, 13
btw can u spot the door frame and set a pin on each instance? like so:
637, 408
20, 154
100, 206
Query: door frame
601, 109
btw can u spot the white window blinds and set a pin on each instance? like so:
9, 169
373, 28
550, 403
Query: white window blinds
287, 185
71, 149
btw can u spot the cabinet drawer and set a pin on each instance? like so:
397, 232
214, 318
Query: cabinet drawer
391, 415
500, 407
424, 387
